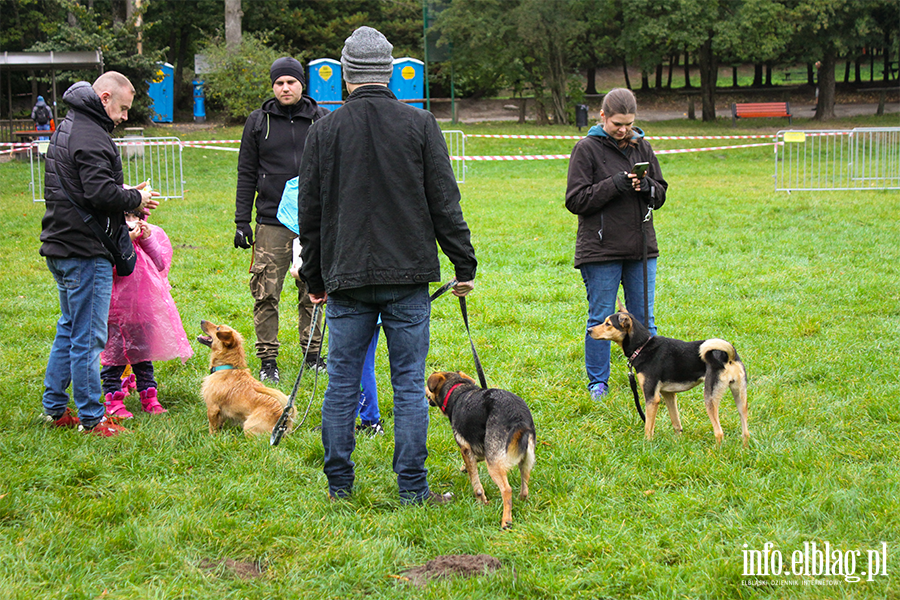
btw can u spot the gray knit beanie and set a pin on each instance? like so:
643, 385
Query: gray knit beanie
366, 57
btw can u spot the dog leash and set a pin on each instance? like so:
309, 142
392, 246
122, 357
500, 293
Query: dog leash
465, 316
633, 382
282, 423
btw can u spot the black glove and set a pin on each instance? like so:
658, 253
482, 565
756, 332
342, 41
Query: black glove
622, 182
243, 237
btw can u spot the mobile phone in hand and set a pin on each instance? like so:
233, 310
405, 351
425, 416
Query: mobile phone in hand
640, 169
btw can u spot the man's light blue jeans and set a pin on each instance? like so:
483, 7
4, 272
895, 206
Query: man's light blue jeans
352, 317
85, 287
601, 281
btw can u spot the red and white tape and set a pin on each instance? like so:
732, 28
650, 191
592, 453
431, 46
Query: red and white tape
579, 137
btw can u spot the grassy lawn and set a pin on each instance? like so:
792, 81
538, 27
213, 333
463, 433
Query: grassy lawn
804, 285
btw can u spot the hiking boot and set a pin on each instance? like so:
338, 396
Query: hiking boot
128, 384
107, 427
599, 391
115, 406
269, 372
66, 420
371, 429
150, 403
315, 362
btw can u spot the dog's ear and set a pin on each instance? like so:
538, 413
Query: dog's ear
620, 305
625, 322
226, 337
435, 381
464, 376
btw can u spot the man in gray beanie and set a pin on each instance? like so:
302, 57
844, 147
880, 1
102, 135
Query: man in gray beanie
271, 147
376, 191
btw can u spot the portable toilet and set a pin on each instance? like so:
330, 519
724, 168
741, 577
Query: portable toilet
408, 80
325, 82
162, 94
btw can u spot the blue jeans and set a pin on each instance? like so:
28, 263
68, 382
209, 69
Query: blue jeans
352, 318
368, 393
602, 283
85, 287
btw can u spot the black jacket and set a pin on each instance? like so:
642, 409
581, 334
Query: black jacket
609, 221
376, 191
87, 161
271, 146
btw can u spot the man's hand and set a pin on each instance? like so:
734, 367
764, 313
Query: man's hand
243, 237
463, 287
318, 297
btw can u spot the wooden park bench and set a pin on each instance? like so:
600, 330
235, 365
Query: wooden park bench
760, 109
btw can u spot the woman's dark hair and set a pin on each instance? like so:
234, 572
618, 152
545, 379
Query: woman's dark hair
619, 101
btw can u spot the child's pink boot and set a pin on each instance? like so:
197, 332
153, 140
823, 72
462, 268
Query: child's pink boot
151, 403
128, 384
115, 407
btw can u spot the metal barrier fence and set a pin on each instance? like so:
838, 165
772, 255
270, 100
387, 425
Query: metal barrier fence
456, 144
155, 159
865, 158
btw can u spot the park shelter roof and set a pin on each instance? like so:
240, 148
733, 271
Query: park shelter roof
50, 61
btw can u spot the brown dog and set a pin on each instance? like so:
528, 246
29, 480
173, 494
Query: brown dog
230, 391
665, 366
490, 425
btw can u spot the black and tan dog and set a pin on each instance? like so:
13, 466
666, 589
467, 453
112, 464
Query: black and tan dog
490, 425
665, 366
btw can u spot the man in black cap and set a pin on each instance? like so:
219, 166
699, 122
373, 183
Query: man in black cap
271, 147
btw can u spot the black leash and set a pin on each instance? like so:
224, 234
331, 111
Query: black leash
282, 423
465, 315
631, 378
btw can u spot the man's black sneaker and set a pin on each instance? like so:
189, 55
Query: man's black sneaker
269, 372
372, 429
315, 362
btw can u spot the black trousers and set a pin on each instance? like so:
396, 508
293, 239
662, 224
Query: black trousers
111, 376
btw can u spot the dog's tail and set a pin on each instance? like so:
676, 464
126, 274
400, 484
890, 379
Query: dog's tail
710, 352
722, 363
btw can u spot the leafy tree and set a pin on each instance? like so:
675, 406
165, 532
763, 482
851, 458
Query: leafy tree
240, 80
90, 28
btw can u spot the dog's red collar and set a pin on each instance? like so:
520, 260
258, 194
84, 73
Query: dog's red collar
634, 355
447, 397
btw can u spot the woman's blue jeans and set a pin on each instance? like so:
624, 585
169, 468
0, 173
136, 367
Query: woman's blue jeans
601, 280
352, 320
85, 287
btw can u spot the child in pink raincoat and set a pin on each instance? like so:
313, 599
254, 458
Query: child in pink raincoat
144, 324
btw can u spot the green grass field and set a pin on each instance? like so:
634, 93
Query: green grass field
804, 284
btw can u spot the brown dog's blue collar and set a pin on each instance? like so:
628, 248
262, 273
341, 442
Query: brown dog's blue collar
220, 368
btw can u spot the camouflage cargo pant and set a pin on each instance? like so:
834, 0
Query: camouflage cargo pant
272, 255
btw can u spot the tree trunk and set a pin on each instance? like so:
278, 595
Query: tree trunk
810, 75
768, 75
687, 70
673, 62
179, 64
591, 81
645, 81
757, 75
659, 76
847, 70
825, 104
886, 75
734, 77
625, 72
233, 15
857, 69
708, 75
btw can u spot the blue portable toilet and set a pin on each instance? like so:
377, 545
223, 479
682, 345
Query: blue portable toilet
408, 80
162, 94
325, 82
